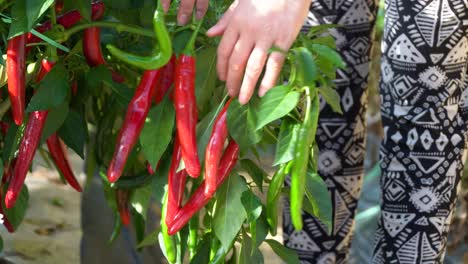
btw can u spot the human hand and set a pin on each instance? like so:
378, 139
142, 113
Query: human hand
186, 9
250, 28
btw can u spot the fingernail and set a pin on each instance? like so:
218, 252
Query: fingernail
199, 14
182, 19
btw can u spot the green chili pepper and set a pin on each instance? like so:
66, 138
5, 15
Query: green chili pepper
193, 236
274, 191
169, 241
305, 138
160, 55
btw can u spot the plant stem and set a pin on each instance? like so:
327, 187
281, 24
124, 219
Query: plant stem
117, 26
308, 103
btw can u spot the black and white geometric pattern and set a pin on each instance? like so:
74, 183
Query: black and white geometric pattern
424, 107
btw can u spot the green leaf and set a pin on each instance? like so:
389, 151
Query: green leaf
261, 230
305, 66
320, 29
242, 124
318, 195
157, 132
84, 6
203, 251
53, 90
249, 254
140, 200
288, 255
277, 103
331, 97
328, 41
230, 213
329, 54
149, 240
255, 172
16, 214
74, 132
205, 81
286, 141
12, 140
25, 14
96, 75
49, 40
252, 205
204, 129
55, 119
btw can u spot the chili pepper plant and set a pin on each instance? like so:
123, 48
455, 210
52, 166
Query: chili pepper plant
137, 97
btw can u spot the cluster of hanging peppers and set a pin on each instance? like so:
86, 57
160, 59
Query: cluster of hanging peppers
16, 71
163, 70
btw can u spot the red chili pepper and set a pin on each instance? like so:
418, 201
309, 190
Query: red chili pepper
67, 20
26, 151
214, 150
28, 145
58, 154
176, 183
134, 121
93, 52
199, 199
166, 80
122, 197
187, 113
16, 71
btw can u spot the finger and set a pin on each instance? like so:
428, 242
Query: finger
166, 4
202, 6
253, 70
237, 63
185, 11
225, 48
273, 69
219, 28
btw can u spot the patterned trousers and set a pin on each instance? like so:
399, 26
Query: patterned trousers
424, 105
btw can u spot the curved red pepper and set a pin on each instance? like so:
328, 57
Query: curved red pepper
176, 183
122, 197
16, 71
187, 113
166, 80
134, 121
214, 149
58, 154
26, 151
199, 199
28, 145
93, 52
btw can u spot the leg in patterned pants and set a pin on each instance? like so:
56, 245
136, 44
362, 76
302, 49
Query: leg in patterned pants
423, 111
341, 138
